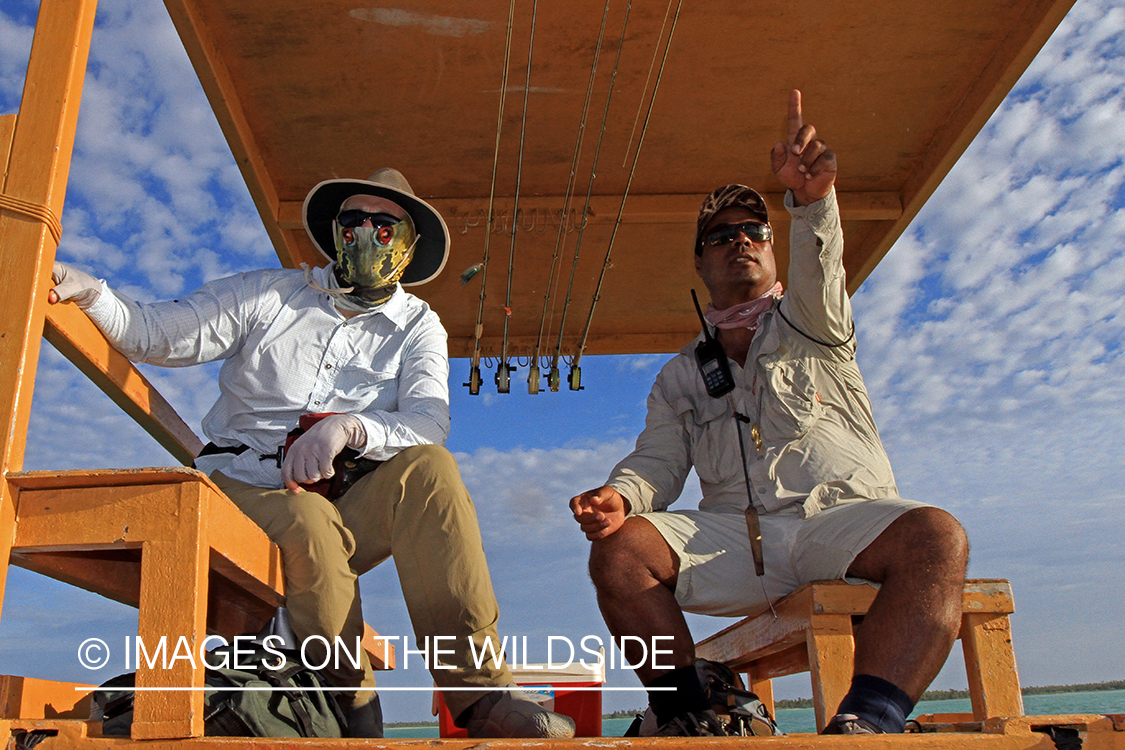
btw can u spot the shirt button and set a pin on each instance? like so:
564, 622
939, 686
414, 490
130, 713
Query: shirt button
316, 403
328, 367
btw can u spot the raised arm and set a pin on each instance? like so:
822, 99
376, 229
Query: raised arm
816, 298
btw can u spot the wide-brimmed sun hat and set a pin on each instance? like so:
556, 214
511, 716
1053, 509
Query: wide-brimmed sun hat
323, 203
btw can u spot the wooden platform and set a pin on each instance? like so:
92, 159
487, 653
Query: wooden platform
1097, 732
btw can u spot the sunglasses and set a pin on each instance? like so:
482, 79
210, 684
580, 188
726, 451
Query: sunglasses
354, 218
728, 233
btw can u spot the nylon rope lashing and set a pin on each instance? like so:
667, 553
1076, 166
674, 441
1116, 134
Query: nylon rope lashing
38, 211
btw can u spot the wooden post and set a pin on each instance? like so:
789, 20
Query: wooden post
831, 646
173, 606
990, 663
761, 687
37, 169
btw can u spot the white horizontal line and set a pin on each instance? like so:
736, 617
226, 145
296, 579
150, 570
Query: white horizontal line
528, 688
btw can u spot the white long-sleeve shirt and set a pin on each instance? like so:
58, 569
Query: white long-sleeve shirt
288, 351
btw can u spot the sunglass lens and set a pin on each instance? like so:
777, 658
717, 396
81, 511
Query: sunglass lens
722, 236
729, 233
757, 232
353, 218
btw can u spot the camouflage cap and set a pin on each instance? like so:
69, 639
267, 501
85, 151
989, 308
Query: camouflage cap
726, 197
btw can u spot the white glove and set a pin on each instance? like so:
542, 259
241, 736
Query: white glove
72, 284
309, 459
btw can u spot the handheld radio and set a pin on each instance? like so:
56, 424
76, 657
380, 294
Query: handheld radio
712, 360
718, 381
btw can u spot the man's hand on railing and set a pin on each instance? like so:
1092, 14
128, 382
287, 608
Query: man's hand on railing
73, 285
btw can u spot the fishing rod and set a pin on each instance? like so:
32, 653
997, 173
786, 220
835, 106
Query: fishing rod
504, 370
575, 368
533, 370
575, 376
474, 365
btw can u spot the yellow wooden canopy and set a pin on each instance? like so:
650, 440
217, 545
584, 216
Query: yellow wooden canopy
310, 90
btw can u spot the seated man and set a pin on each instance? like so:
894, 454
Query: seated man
345, 339
812, 473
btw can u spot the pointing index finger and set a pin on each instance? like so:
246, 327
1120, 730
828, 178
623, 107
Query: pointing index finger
795, 120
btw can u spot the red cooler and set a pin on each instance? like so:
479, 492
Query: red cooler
573, 691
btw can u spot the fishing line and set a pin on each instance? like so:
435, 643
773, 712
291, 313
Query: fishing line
474, 366
533, 376
554, 375
575, 370
641, 101
503, 371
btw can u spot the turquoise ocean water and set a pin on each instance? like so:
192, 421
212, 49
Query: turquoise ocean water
796, 720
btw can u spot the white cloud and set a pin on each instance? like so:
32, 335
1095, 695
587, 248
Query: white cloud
990, 336
991, 339
15, 41
527, 491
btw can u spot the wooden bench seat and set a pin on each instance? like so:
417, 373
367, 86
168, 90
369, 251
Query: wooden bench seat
168, 542
814, 632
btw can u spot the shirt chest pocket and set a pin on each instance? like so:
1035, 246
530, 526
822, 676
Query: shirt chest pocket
363, 386
714, 442
790, 403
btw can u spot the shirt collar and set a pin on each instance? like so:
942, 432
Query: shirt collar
394, 309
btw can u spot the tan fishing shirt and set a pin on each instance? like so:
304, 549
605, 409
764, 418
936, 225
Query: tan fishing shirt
811, 440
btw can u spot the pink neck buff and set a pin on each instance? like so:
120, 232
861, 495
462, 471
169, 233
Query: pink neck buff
746, 315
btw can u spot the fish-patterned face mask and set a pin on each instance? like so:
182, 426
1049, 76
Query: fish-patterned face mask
371, 259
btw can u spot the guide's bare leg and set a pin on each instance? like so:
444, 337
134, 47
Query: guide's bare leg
907, 634
634, 571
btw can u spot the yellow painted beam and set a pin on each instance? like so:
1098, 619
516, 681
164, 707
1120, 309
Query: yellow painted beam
1098, 733
7, 130
79, 340
470, 213
29, 698
36, 172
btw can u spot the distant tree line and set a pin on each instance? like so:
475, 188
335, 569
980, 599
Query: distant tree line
945, 695
929, 695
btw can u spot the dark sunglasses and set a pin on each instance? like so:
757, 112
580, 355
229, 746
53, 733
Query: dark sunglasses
728, 233
354, 217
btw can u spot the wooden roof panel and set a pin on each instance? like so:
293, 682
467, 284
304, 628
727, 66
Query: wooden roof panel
311, 90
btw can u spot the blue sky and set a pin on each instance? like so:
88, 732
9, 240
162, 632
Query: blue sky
990, 338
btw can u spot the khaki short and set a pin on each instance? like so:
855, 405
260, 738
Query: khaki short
716, 567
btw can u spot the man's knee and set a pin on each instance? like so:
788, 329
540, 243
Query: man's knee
426, 486
426, 466
309, 519
429, 457
935, 533
632, 557
926, 538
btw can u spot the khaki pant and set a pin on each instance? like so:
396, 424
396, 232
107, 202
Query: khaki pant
414, 507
